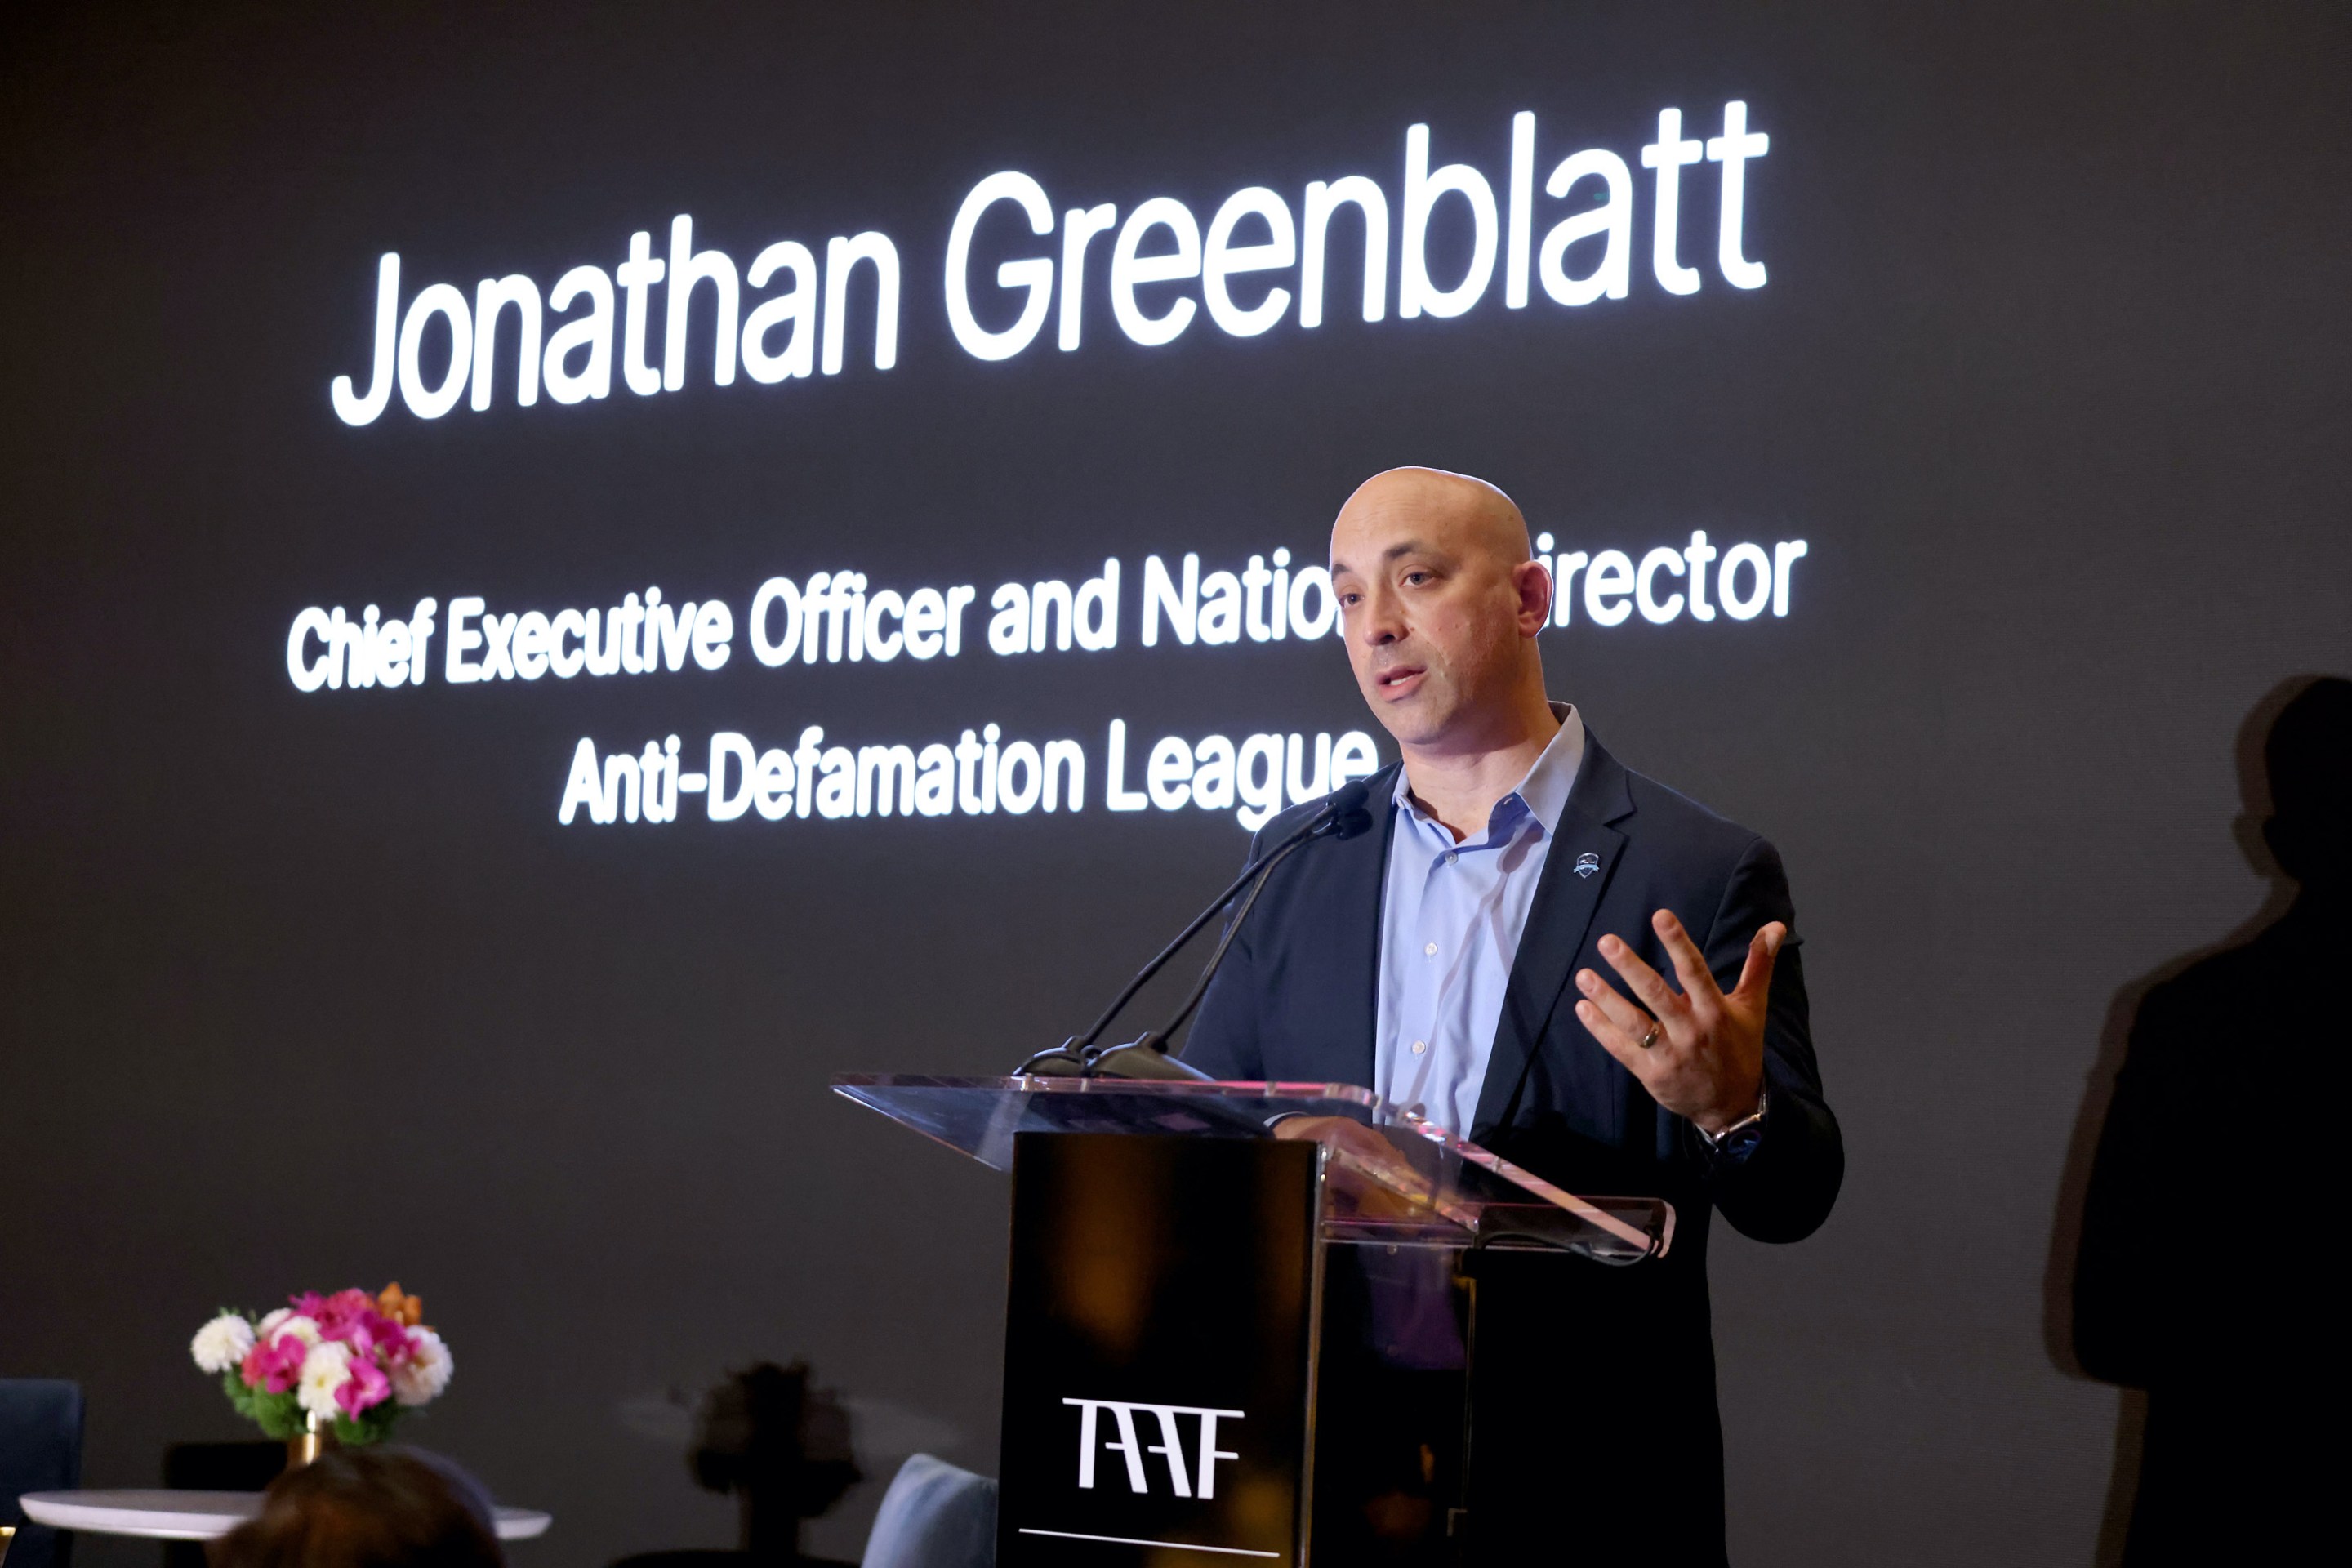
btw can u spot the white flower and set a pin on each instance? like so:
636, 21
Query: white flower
326, 1369
222, 1343
268, 1325
301, 1328
424, 1373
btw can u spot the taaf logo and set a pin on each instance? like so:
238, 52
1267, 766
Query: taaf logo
1200, 1480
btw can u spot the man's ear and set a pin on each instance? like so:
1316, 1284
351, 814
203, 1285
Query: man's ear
1533, 581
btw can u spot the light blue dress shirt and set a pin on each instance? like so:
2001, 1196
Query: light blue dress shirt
1451, 916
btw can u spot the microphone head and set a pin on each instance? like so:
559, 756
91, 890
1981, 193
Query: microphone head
1350, 811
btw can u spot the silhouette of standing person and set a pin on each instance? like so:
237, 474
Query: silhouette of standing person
2210, 1222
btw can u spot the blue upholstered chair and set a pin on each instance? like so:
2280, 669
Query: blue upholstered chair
41, 1451
934, 1516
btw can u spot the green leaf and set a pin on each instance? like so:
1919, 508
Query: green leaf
371, 1425
279, 1415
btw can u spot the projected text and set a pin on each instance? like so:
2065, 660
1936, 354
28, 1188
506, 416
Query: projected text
1264, 258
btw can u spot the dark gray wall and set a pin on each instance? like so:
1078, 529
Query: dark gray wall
2050, 371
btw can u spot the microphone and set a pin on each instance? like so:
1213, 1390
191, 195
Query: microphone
1345, 815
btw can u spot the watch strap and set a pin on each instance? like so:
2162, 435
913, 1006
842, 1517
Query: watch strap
1751, 1123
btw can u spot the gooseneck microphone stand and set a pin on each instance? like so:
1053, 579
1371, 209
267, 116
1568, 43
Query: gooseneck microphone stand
1344, 815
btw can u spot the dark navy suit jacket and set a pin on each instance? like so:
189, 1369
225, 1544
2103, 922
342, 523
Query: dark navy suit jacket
1297, 999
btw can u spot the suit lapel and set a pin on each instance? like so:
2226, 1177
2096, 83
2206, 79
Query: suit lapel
1361, 872
1558, 922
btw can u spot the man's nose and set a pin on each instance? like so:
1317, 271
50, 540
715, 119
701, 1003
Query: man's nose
1379, 624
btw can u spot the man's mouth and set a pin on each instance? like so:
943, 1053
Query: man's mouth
1399, 680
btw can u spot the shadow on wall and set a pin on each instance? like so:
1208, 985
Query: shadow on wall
778, 1444
2196, 1218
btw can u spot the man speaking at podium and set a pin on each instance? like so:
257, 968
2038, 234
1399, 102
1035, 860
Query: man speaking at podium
1561, 959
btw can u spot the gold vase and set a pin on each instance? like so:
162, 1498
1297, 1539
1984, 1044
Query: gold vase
306, 1446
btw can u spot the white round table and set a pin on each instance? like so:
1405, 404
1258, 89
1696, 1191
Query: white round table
162, 1515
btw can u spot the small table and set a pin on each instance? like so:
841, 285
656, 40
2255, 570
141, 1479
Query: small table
159, 1514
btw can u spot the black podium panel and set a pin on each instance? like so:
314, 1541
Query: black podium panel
1158, 1349
1591, 1415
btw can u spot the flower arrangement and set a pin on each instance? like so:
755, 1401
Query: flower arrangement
350, 1364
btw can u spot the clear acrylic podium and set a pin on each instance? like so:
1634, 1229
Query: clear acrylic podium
1243, 1321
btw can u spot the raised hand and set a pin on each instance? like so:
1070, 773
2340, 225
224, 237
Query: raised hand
1698, 1051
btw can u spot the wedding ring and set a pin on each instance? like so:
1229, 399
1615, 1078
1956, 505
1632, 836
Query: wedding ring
1651, 1037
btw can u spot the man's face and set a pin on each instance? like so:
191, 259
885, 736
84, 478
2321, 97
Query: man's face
1437, 600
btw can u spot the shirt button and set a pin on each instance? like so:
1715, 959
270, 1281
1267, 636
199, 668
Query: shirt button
1419, 1047
1450, 857
1429, 950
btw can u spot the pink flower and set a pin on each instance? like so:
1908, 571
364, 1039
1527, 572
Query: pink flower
371, 1335
367, 1386
274, 1363
336, 1313
352, 1318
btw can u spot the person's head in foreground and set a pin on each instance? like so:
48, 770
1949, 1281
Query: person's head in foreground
367, 1508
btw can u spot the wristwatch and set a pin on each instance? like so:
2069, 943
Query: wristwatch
1738, 1141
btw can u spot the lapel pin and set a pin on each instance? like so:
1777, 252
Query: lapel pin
1587, 864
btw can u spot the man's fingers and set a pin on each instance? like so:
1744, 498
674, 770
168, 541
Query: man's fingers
1632, 1021
1763, 953
1647, 985
1690, 965
1626, 1048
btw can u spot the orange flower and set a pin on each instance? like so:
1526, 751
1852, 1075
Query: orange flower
407, 1310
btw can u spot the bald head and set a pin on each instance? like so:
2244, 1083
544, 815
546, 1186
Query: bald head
1440, 606
1473, 514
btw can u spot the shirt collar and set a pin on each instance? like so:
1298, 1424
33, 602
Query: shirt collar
1542, 793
